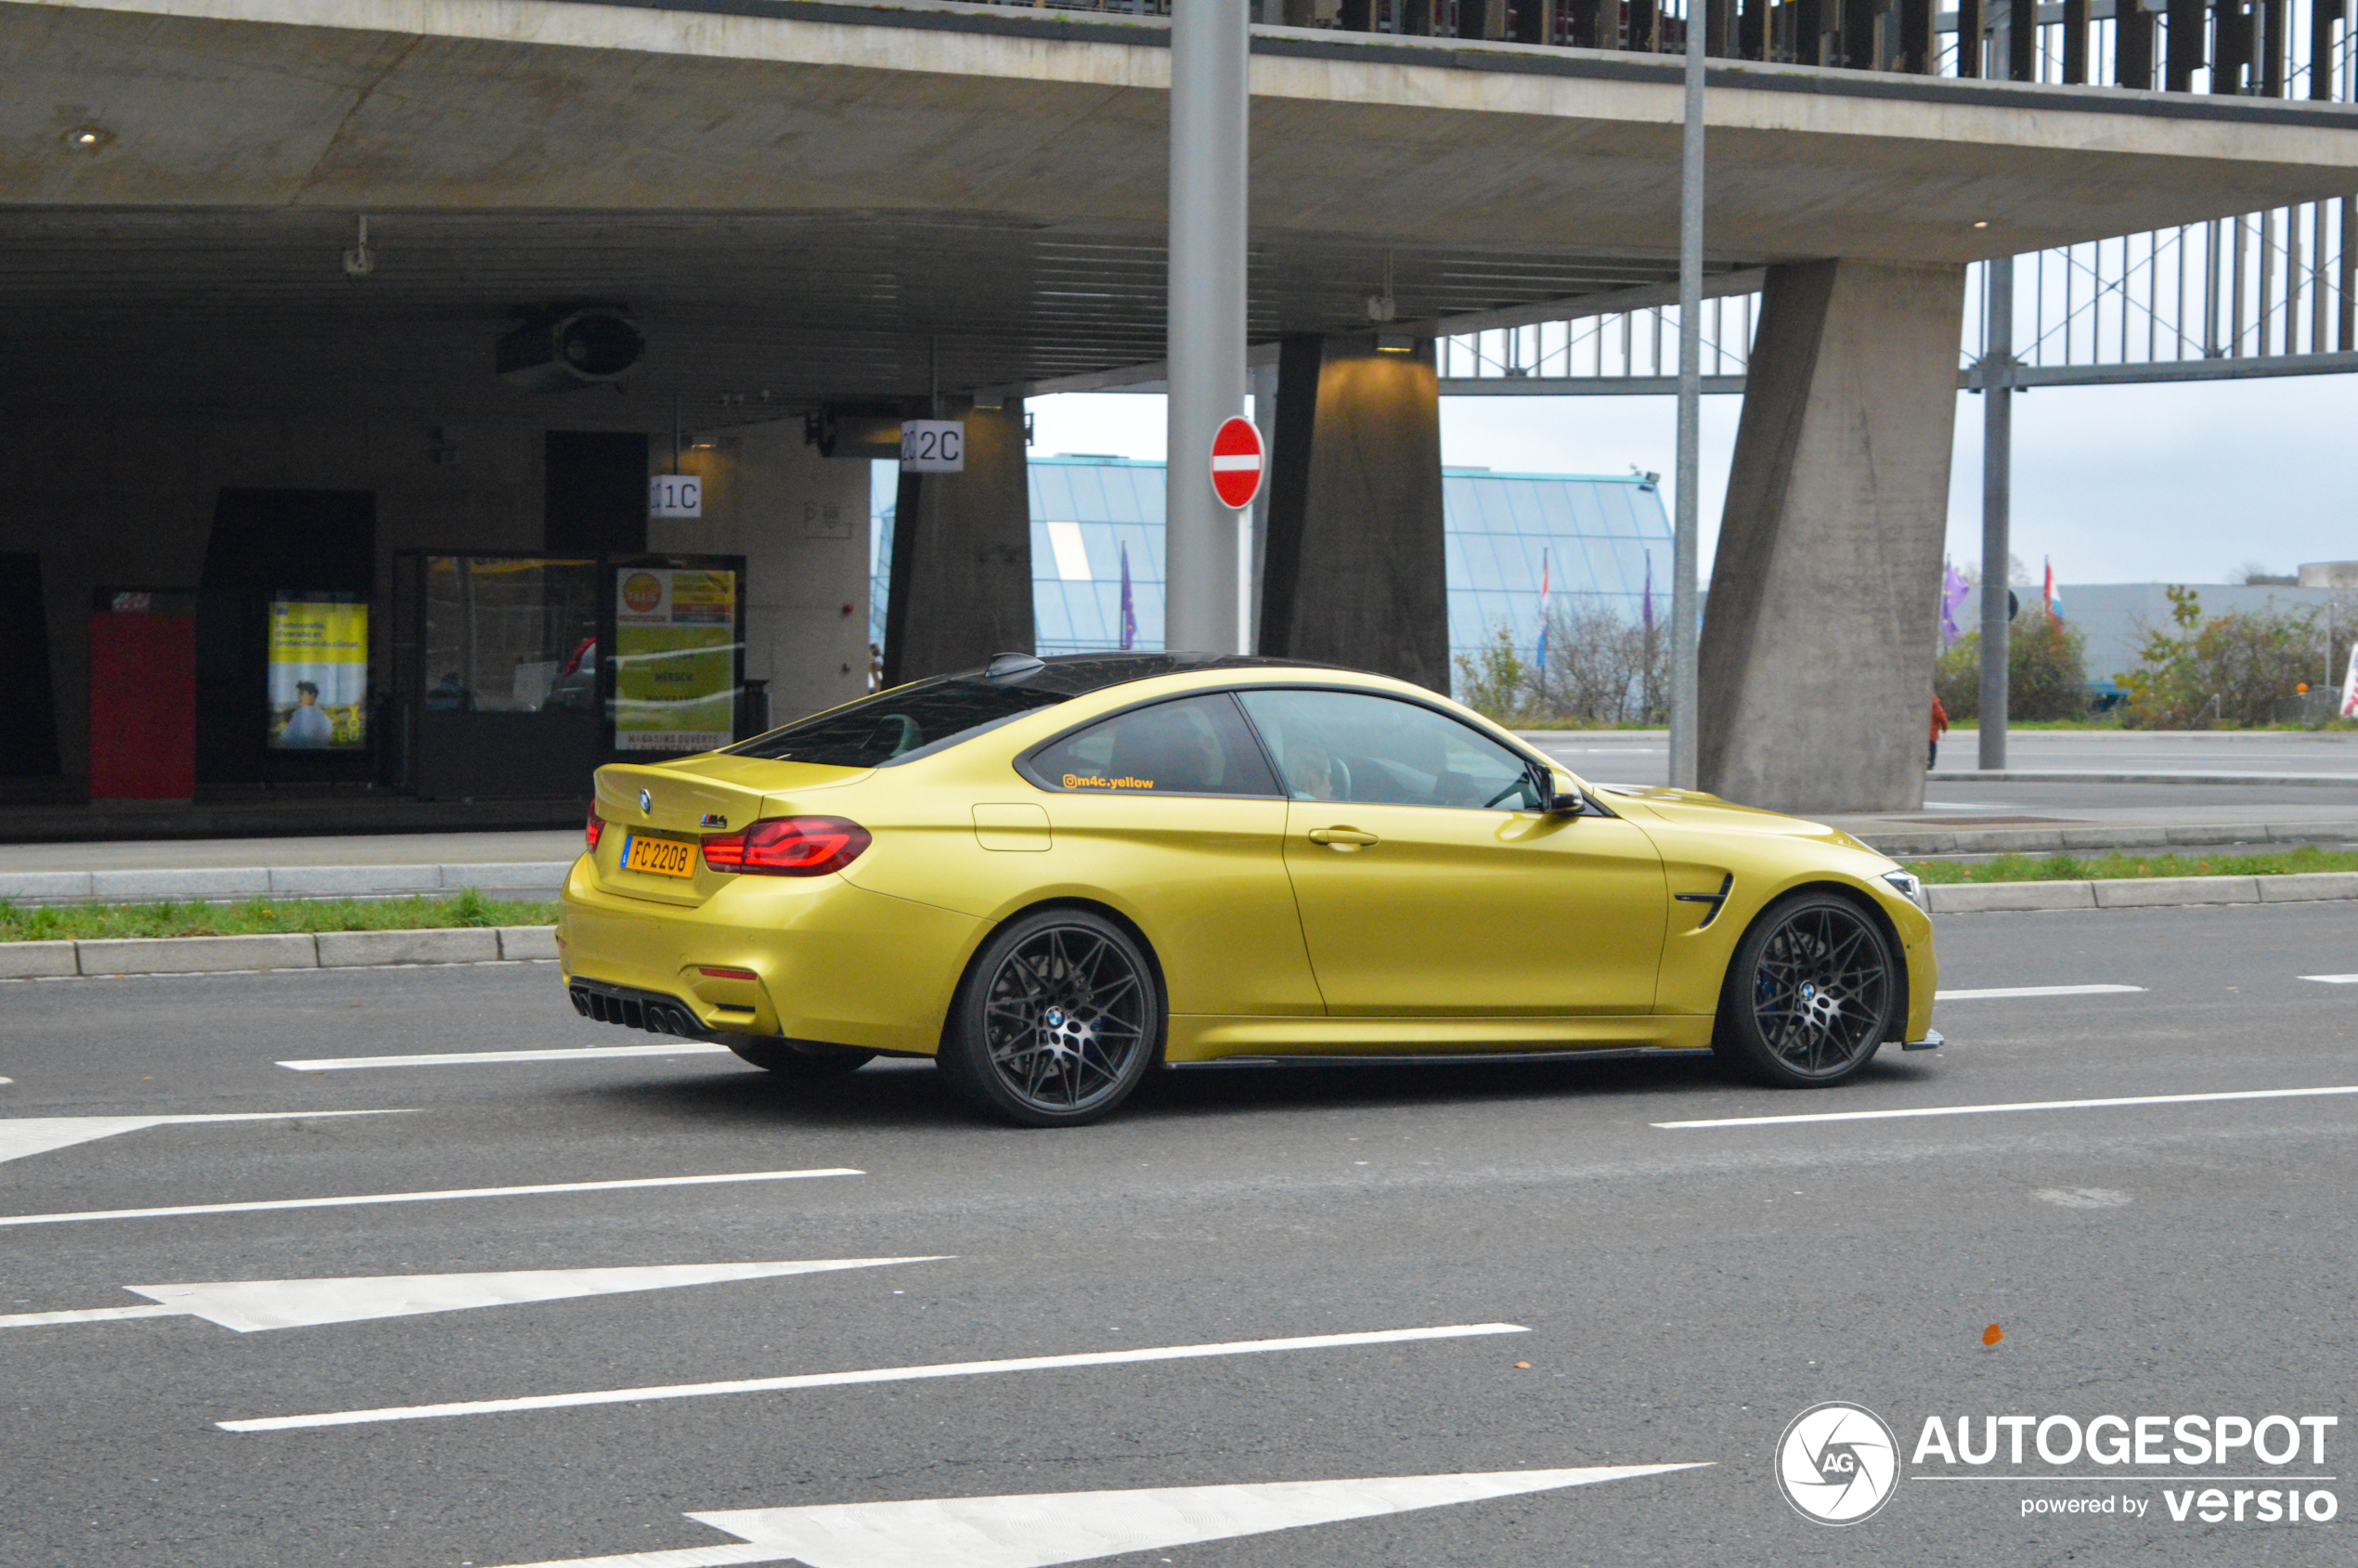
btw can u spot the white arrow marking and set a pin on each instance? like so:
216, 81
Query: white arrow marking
250, 1306
868, 1375
271, 1204
1051, 1527
21, 1135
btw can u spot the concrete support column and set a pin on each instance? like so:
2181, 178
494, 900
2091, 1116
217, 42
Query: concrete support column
1354, 567
1818, 640
962, 555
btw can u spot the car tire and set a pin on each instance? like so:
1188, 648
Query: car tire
1058, 1019
805, 1061
1813, 990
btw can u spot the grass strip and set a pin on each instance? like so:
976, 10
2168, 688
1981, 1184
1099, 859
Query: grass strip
2104, 868
264, 917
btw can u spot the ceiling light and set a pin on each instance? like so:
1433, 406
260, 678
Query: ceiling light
87, 138
1395, 343
1981, 223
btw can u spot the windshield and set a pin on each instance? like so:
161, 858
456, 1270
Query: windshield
892, 724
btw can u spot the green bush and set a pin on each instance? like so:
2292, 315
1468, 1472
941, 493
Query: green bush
2046, 672
1495, 683
2226, 669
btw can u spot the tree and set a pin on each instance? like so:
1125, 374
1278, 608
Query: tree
2225, 670
1495, 682
2046, 671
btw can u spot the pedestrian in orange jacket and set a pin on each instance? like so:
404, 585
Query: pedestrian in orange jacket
1939, 725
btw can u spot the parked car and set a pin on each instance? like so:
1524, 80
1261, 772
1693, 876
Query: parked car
1053, 875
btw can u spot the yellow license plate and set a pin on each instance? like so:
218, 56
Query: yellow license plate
664, 857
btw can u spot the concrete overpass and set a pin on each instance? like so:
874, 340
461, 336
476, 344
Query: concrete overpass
874, 206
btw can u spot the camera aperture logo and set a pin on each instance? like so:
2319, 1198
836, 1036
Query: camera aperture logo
1837, 1463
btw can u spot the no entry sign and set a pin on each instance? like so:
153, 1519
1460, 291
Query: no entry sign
1237, 464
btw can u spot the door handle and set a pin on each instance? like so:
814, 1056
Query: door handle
1342, 837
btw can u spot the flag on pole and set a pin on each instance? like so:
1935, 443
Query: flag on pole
1129, 608
1953, 588
2349, 686
2054, 600
1542, 659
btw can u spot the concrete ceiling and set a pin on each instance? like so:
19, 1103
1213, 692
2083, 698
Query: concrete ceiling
814, 199
253, 309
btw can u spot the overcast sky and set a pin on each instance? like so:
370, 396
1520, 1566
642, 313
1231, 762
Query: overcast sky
2133, 484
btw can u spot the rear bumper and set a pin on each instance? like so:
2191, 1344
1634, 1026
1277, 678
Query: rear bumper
631, 1009
813, 959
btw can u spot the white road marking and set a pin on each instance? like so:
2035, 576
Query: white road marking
253, 1306
871, 1375
414, 1197
469, 1058
2023, 1105
1053, 1527
21, 1135
2082, 1197
2321, 979
86, 1314
1994, 992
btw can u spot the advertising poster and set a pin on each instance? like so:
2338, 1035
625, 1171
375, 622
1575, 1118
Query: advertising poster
676, 660
318, 673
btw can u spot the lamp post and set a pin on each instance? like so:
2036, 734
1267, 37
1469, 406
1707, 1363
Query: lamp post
1685, 688
1210, 46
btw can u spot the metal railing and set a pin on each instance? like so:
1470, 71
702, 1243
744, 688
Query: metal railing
2261, 49
2273, 293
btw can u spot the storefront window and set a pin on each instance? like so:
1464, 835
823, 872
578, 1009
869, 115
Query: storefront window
509, 635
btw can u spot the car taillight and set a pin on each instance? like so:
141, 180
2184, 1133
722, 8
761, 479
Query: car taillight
594, 827
787, 846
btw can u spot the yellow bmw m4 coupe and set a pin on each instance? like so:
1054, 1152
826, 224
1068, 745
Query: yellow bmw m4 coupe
1054, 876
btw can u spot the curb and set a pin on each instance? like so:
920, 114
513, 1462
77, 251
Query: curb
2142, 892
2001, 840
2066, 775
322, 950
514, 944
286, 881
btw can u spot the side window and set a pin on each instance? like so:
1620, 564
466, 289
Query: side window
1197, 746
1342, 745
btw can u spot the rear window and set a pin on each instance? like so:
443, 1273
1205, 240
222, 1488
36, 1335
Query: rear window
898, 724
1194, 746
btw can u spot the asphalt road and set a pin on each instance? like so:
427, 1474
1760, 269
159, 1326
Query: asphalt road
1686, 1293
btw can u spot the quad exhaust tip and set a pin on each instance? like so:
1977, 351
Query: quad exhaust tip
652, 1014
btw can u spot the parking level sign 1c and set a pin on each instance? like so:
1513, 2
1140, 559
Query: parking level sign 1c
1236, 462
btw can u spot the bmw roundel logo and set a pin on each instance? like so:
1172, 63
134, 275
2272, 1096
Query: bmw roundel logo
647, 802
1837, 1463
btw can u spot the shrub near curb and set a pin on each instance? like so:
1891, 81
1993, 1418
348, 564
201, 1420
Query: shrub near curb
466, 909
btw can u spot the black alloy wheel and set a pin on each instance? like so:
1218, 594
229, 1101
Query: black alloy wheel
804, 1061
1813, 990
1058, 1021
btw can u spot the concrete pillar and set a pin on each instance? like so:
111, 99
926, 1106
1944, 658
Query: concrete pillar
1818, 640
962, 555
1353, 564
801, 522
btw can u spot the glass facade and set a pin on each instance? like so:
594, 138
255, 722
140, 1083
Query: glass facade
1596, 538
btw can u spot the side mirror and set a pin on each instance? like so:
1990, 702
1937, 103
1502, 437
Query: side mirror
1566, 805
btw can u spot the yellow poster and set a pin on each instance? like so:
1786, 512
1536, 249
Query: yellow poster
675, 659
318, 674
